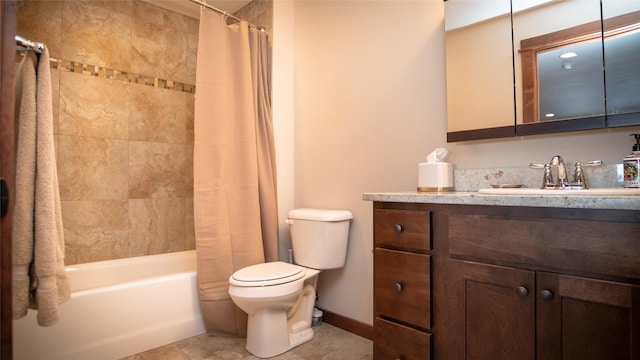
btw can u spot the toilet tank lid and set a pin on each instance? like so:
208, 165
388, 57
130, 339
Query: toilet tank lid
320, 214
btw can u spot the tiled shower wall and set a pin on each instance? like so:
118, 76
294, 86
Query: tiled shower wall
123, 80
123, 110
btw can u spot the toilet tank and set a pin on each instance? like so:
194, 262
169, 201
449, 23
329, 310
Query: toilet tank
319, 237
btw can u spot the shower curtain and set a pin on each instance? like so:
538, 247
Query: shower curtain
235, 208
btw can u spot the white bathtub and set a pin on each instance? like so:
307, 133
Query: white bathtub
118, 308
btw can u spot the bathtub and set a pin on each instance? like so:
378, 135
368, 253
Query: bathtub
118, 308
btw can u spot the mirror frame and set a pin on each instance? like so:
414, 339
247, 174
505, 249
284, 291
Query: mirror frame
481, 134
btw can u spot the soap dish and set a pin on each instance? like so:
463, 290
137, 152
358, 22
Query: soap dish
506, 186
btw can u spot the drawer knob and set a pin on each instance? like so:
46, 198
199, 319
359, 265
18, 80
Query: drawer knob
398, 228
397, 287
546, 295
522, 291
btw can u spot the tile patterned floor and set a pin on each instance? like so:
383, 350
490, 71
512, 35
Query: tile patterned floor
328, 343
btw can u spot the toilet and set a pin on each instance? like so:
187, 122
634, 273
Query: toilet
278, 296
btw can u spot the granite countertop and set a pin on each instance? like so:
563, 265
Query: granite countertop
475, 198
468, 181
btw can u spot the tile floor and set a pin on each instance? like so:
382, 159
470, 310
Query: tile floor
328, 343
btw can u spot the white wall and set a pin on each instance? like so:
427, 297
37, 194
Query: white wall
359, 100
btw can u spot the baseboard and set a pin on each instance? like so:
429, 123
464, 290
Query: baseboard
347, 324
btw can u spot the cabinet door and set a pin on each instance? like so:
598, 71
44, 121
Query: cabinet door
585, 319
497, 306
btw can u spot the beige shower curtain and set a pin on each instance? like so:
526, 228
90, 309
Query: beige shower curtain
235, 206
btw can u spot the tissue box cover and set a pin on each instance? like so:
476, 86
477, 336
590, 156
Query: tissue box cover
436, 176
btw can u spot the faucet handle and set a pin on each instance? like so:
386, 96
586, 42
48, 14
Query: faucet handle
579, 174
547, 178
590, 163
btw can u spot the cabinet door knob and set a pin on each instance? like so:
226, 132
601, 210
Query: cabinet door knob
397, 287
398, 228
546, 295
522, 291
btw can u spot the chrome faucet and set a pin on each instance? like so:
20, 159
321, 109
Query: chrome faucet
561, 180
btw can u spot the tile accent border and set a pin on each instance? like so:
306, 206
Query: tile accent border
106, 73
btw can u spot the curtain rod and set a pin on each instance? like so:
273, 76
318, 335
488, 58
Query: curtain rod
224, 13
29, 45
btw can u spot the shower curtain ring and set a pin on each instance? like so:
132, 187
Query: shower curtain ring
203, 6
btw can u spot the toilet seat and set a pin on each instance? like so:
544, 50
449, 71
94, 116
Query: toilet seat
267, 274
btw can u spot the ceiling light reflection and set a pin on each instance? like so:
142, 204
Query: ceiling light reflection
568, 55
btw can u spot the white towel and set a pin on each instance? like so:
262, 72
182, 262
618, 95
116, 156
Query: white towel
22, 228
39, 238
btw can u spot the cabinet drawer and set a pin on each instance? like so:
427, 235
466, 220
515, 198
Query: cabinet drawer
394, 341
402, 286
405, 229
575, 245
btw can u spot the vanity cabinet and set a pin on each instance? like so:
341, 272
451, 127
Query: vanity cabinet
402, 284
509, 313
545, 283
510, 282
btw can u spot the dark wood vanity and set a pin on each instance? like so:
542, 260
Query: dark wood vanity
459, 281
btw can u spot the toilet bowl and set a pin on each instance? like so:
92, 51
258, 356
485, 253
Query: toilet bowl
279, 307
279, 297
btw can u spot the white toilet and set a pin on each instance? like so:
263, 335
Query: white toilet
279, 296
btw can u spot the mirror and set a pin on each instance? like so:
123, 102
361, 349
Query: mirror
553, 93
621, 24
479, 82
559, 67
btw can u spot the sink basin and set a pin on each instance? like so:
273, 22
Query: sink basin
583, 192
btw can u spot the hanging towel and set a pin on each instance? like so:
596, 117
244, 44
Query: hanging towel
39, 278
22, 229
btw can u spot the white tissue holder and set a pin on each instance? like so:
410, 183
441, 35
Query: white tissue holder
434, 177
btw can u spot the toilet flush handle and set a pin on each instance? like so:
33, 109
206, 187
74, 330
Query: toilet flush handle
289, 221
